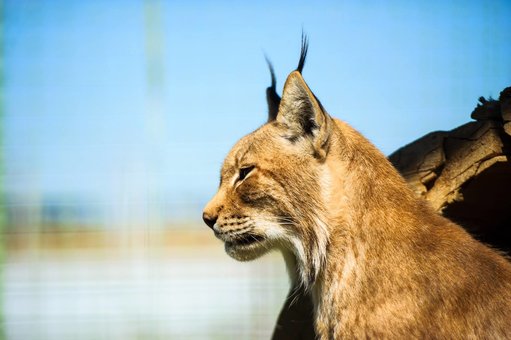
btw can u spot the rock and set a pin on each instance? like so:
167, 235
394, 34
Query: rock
465, 173
505, 108
487, 110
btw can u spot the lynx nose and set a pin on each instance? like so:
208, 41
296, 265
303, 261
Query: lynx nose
209, 219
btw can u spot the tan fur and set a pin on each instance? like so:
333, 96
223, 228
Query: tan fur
379, 262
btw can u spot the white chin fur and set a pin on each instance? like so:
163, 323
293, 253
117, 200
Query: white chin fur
246, 253
272, 233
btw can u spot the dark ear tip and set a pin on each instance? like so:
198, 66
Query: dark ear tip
272, 96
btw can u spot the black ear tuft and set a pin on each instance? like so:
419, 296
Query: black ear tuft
272, 72
272, 97
303, 53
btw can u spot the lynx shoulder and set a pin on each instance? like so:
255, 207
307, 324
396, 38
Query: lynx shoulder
378, 261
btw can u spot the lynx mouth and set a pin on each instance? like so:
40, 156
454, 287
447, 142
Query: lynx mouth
247, 246
244, 240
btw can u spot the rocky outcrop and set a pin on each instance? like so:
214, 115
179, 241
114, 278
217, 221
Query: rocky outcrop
466, 173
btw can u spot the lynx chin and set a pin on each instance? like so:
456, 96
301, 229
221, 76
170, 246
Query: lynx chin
377, 261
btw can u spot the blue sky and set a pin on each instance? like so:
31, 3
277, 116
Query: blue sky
134, 104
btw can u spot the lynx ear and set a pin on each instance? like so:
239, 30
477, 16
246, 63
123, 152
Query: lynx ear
303, 115
272, 97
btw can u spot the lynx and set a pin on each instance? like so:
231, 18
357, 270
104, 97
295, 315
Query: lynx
377, 261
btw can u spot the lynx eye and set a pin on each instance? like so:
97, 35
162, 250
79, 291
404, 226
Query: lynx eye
244, 172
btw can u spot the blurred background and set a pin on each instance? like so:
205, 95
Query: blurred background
115, 117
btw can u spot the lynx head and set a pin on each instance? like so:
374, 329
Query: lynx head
271, 193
